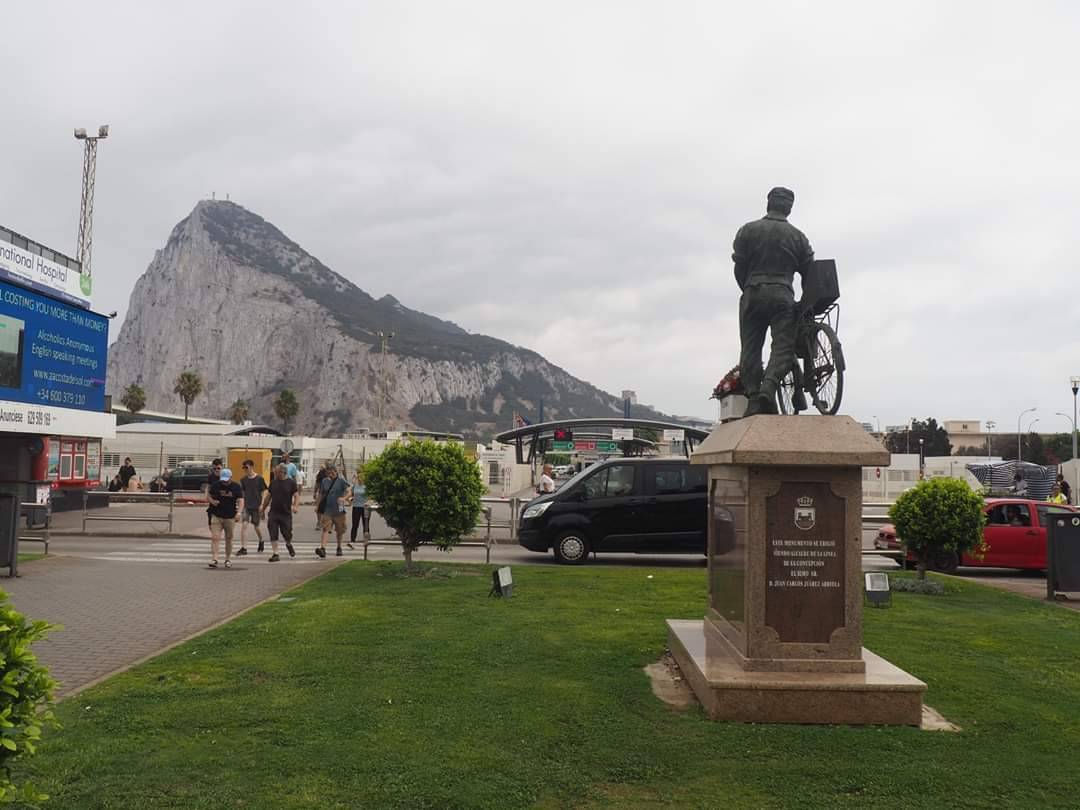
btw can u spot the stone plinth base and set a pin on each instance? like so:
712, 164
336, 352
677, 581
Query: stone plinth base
883, 695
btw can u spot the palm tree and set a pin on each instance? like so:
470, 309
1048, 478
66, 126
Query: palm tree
286, 406
133, 398
188, 386
238, 412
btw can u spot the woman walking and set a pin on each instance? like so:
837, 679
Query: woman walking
360, 513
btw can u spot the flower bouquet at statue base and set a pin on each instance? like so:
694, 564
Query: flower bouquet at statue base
731, 395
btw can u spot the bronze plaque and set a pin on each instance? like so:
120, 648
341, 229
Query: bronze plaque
804, 567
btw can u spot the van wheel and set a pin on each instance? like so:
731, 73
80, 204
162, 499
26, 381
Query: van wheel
946, 562
571, 548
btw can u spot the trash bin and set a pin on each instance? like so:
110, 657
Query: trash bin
9, 532
1063, 554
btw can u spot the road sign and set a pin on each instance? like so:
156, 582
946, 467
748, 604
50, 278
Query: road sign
607, 447
622, 434
562, 447
584, 445
674, 435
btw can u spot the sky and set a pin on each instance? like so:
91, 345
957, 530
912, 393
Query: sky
569, 176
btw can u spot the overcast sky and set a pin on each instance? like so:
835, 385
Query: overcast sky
569, 176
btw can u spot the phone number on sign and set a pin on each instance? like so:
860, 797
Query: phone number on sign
61, 397
38, 418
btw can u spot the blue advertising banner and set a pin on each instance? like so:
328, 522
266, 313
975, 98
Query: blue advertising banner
51, 353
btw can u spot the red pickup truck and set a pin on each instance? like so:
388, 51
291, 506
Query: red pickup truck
1015, 537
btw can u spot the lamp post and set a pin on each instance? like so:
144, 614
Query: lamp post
990, 425
922, 461
1075, 383
1019, 450
1031, 424
384, 338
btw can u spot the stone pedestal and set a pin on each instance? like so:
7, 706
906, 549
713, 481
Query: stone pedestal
782, 637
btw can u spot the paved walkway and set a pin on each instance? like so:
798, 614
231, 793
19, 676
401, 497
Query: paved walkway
1031, 584
115, 615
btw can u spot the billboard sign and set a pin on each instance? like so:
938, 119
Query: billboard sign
51, 353
674, 435
30, 265
622, 434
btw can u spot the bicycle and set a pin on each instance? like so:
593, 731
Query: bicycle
818, 369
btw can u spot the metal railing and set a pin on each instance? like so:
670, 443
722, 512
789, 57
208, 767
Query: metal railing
485, 523
34, 522
131, 497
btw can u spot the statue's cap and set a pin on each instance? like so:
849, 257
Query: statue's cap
785, 193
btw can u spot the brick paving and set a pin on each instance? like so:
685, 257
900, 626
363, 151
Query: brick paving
116, 614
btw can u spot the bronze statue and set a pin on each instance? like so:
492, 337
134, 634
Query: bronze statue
768, 253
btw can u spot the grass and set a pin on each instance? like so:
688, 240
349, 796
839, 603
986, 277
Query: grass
30, 556
369, 689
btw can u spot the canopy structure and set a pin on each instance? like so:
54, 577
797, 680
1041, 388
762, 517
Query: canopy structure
1001, 476
538, 436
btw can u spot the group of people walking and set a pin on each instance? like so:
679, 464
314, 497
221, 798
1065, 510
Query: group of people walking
254, 500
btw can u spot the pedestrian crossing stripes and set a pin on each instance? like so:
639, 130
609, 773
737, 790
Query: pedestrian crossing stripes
197, 552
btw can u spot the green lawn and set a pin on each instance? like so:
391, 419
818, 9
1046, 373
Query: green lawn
371, 690
30, 556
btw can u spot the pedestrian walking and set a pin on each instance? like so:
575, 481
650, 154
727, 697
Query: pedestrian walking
330, 507
316, 489
361, 516
1066, 490
1019, 488
547, 483
211, 479
127, 472
254, 485
282, 500
226, 498
291, 469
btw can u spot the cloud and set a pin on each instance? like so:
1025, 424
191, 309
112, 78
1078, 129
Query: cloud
569, 177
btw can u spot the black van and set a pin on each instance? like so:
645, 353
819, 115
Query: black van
635, 505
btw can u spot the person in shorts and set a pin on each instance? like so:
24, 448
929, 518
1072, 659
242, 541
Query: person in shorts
254, 485
226, 498
282, 501
330, 506
211, 479
361, 514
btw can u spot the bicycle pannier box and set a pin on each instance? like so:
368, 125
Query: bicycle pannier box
820, 287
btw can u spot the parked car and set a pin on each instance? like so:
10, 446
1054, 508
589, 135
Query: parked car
1015, 537
636, 505
565, 471
189, 476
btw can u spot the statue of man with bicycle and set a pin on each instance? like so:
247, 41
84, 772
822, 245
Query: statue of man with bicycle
768, 253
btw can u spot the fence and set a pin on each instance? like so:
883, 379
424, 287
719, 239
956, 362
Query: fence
131, 497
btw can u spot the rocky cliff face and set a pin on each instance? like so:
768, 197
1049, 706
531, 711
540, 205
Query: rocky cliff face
231, 297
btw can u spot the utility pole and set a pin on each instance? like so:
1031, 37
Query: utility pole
1019, 446
384, 339
86, 210
990, 425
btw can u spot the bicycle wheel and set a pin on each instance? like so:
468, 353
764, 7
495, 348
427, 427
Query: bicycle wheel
825, 377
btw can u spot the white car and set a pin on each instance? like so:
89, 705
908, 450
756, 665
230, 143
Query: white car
565, 470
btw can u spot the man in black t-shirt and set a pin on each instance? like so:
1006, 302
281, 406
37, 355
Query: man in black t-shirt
254, 485
226, 499
211, 479
282, 499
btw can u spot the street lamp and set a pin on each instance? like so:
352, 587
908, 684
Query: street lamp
990, 425
1019, 451
922, 461
1031, 424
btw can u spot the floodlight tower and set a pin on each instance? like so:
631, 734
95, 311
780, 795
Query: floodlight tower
86, 210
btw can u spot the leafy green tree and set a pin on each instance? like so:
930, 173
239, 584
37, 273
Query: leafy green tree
133, 398
427, 492
935, 439
26, 699
238, 412
286, 406
939, 519
188, 386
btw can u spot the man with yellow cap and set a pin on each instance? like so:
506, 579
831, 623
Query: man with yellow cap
768, 253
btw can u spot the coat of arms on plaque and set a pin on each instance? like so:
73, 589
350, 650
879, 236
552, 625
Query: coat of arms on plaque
804, 513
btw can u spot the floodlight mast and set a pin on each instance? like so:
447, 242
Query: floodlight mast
86, 210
